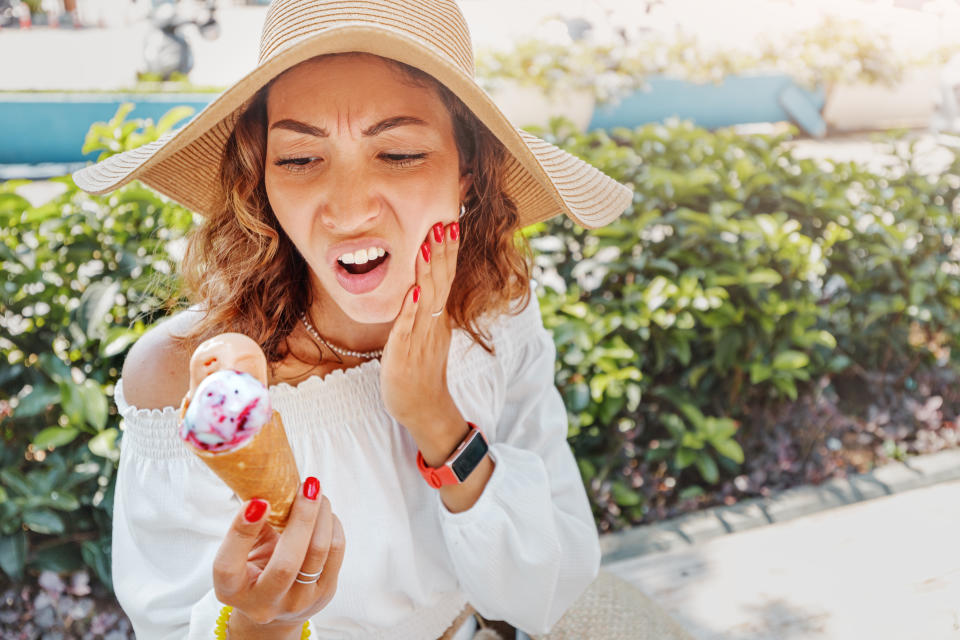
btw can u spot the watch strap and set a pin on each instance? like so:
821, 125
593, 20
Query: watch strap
460, 464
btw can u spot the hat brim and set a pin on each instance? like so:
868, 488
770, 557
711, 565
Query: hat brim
541, 179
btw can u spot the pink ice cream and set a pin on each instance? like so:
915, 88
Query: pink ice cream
227, 409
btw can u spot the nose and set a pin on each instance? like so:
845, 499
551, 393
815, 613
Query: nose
349, 202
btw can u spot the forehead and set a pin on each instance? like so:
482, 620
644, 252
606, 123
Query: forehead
355, 86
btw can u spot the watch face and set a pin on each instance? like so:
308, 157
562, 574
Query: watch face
470, 457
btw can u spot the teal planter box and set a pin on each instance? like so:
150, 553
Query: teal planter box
736, 100
51, 127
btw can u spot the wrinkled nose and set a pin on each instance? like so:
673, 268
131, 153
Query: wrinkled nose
349, 204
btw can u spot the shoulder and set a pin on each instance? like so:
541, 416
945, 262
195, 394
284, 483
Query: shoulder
156, 372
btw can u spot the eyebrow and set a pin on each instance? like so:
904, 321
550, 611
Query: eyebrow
320, 132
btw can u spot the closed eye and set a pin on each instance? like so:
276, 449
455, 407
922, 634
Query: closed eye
296, 165
403, 159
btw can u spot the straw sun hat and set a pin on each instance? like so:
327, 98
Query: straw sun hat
431, 35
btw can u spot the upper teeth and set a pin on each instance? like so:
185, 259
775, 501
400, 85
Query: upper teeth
360, 256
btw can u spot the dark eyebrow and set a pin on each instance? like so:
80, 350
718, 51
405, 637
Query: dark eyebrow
377, 129
300, 127
391, 123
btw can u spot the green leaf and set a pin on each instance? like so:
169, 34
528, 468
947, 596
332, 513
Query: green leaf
624, 495
97, 556
788, 360
685, 457
37, 401
71, 400
588, 471
13, 554
104, 444
16, 481
694, 491
54, 437
62, 558
96, 407
759, 372
729, 449
707, 468
763, 276
172, 117
43, 521
117, 341
58, 500
95, 303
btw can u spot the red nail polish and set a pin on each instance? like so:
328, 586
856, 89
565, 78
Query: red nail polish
454, 230
425, 250
311, 488
416, 294
255, 510
438, 232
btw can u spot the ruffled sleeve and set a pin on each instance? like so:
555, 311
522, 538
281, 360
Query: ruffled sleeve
170, 514
529, 546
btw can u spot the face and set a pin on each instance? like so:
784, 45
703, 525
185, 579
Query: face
359, 158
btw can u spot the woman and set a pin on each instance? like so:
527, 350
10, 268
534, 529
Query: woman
361, 197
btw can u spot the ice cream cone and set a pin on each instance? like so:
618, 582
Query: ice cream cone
261, 468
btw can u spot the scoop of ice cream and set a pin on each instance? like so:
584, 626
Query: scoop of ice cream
227, 409
227, 351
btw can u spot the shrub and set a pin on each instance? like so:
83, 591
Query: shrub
84, 277
741, 272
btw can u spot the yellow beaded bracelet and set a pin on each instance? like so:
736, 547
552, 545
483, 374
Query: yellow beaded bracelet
220, 630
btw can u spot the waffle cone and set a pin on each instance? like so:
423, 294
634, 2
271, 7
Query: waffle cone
262, 468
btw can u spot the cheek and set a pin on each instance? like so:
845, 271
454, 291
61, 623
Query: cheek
284, 204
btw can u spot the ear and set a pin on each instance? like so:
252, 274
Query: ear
466, 181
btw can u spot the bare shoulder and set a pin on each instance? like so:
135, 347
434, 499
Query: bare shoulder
156, 372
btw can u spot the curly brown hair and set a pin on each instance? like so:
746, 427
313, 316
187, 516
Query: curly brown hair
247, 276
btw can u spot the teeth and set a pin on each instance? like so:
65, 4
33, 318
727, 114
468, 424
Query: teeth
362, 256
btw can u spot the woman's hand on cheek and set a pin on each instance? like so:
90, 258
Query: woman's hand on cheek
414, 364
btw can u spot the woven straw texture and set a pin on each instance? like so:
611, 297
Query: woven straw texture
613, 609
432, 35
610, 609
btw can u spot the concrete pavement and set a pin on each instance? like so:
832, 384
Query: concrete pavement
884, 569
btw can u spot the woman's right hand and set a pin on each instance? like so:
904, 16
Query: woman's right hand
256, 570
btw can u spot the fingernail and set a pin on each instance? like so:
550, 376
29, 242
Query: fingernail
438, 232
425, 250
311, 488
255, 510
454, 230
416, 294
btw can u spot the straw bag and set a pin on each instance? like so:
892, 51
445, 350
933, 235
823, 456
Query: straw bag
610, 609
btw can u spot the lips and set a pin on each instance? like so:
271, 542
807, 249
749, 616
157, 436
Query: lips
361, 283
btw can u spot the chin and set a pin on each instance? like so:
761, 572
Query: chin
374, 310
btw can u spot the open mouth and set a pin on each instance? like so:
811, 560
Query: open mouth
362, 278
366, 267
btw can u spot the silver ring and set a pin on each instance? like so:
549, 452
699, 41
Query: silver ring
437, 314
314, 577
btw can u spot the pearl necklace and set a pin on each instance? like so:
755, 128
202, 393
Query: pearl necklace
363, 355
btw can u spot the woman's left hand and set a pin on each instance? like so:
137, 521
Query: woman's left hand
413, 379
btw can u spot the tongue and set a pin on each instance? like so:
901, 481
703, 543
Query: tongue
366, 267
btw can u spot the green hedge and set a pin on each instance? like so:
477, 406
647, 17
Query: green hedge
84, 277
740, 274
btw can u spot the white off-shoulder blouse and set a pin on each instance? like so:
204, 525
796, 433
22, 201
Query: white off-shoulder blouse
522, 553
